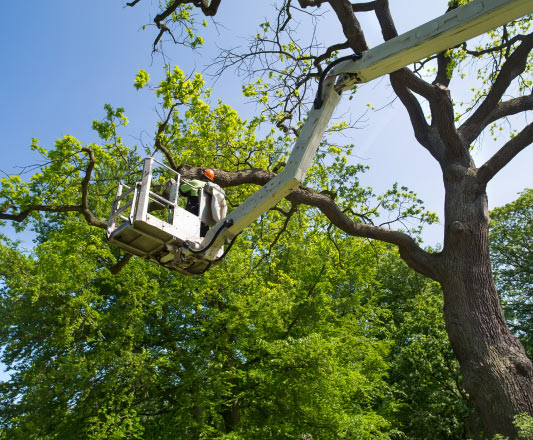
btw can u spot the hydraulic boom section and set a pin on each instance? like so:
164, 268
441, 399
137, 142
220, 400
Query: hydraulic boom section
176, 247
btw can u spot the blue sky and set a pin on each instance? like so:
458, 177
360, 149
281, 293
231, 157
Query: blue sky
65, 59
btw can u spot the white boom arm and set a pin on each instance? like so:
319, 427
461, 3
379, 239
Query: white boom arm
454, 27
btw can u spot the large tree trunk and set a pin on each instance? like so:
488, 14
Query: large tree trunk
496, 371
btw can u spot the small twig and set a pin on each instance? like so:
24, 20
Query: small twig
159, 145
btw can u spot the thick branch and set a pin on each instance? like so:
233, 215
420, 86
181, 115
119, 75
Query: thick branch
505, 154
402, 80
443, 63
364, 7
116, 268
350, 25
165, 13
84, 208
413, 255
388, 29
209, 8
436, 94
21, 216
416, 115
444, 120
511, 107
512, 68
310, 3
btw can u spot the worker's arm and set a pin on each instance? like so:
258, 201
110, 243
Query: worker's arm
192, 187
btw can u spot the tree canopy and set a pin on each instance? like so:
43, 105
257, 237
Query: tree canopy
511, 232
301, 309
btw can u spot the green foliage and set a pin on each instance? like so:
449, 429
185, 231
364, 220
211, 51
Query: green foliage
293, 334
512, 258
180, 25
524, 423
141, 79
148, 354
424, 373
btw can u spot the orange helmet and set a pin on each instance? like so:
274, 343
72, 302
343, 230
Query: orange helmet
209, 173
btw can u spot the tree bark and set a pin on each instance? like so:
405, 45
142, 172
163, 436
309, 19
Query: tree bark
496, 371
231, 416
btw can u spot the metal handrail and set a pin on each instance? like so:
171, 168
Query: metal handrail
128, 192
165, 166
123, 207
161, 199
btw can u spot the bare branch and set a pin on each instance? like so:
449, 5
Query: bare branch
293, 74
83, 208
133, 3
512, 68
507, 45
505, 154
329, 51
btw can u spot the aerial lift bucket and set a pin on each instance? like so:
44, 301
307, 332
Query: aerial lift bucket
148, 220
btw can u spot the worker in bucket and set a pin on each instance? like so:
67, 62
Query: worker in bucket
217, 205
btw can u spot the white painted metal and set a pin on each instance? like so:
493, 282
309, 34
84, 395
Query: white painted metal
148, 236
146, 182
284, 183
461, 24
114, 208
